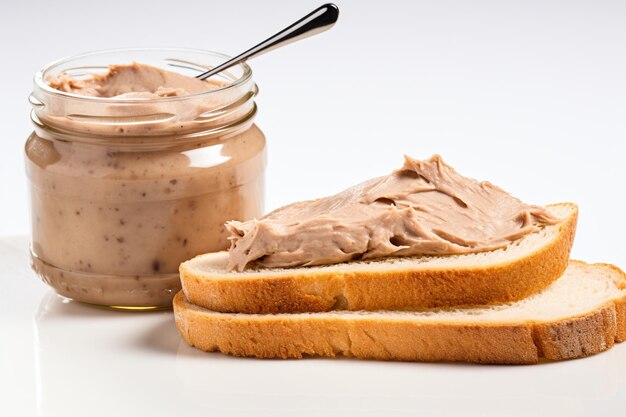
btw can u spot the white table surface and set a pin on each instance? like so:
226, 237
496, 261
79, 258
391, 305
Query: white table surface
62, 358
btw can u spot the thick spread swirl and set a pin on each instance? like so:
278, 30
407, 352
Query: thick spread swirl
423, 208
132, 81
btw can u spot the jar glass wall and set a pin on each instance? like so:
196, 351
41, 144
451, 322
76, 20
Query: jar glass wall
123, 191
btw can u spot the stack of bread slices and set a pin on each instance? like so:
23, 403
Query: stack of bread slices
515, 305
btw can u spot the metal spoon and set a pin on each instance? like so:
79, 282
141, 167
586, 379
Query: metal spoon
318, 21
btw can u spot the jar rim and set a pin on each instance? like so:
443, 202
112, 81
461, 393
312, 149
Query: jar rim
39, 78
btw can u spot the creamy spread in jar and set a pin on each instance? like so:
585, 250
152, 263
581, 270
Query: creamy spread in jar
134, 169
130, 81
423, 208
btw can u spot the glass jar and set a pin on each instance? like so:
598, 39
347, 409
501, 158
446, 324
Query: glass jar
123, 191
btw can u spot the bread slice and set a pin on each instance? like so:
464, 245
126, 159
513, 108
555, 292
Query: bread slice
580, 314
526, 266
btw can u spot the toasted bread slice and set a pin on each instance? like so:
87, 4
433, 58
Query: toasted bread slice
580, 314
524, 267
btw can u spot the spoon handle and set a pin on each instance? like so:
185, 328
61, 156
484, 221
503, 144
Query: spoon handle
318, 21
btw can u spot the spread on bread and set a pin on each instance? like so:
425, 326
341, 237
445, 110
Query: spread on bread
423, 208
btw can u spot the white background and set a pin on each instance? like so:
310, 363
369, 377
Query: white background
530, 95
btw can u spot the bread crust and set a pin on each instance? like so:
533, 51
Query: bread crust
296, 336
385, 290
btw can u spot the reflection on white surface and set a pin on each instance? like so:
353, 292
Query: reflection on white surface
92, 361
373, 388
95, 362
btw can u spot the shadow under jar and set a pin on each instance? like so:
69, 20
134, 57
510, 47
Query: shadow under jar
123, 191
